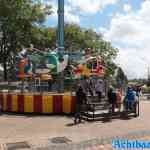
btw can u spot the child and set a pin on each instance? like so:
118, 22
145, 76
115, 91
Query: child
119, 99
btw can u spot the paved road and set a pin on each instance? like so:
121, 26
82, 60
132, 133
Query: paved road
38, 131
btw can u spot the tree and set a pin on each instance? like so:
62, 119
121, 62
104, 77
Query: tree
121, 78
77, 38
42, 37
74, 37
17, 20
110, 69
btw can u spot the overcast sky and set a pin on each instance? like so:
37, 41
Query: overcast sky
126, 23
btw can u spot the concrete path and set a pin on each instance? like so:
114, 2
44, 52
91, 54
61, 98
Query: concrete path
39, 131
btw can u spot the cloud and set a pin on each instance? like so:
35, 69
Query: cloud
90, 6
127, 8
130, 33
133, 63
70, 17
74, 9
102, 30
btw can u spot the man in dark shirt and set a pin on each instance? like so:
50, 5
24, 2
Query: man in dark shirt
112, 98
80, 100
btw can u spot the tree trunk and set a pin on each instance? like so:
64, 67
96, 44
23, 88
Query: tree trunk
5, 70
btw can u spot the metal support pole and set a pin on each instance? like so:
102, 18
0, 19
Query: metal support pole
61, 39
61, 26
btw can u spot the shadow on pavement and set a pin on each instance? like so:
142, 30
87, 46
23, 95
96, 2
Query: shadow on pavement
106, 118
33, 115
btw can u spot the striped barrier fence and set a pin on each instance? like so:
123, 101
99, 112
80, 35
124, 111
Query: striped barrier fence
45, 104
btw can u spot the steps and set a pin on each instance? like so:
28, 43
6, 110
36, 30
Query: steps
96, 108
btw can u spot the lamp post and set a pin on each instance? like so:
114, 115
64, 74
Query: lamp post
60, 35
61, 26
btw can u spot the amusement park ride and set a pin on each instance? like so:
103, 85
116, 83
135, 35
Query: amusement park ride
35, 67
38, 62
46, 64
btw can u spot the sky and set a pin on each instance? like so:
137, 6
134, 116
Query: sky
125, 23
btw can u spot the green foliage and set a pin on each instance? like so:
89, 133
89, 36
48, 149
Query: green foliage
146, 90
74, 37
110, 68
43, 38
21, 24
121, 75
121, 78
148, 82
77, 38
139, 81
17, 20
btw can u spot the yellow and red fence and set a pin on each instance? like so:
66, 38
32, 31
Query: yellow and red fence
45, 104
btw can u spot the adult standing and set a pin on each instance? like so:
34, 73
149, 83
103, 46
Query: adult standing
80, 100
87, 85
90, 86
84, 84
99, 89
112, 98
130, 98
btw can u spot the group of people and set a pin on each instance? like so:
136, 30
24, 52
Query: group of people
92, 87
87, 87
115, 98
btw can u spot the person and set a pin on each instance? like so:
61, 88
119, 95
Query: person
119, 99
50, 82
130, 98
112, 98
80, 100
90, 87
84, 84
99, 89
138, 91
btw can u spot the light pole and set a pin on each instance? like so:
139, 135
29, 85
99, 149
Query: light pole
61, 26
60, 35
